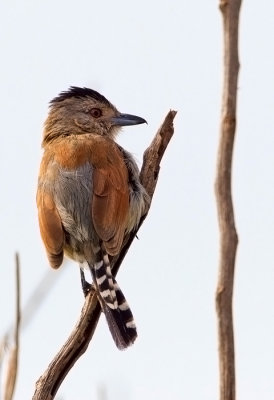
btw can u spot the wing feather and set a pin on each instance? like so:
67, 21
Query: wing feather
51, 228
110, 201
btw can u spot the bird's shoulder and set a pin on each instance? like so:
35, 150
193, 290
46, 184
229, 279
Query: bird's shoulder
71, 152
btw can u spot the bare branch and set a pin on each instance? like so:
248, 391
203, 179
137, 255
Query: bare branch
77, 343
228, 236
12, 362
8, 351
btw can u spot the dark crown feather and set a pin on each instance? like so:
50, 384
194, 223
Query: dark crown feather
79, 92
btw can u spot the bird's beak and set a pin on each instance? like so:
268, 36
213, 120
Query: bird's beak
127, 119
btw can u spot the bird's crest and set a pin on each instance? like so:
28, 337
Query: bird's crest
79, 92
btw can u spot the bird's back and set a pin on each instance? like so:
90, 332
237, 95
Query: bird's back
78, 174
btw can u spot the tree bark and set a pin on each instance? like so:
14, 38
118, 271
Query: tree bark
230, 10
77, 343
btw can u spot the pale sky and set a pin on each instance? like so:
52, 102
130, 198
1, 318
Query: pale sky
145, 57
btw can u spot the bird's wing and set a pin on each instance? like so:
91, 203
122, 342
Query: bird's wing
110, 200
51, 228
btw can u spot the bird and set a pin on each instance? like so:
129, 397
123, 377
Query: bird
89, 196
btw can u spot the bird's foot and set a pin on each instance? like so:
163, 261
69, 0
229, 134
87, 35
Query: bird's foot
86, 286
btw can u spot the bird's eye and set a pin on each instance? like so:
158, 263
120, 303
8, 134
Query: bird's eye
96, 112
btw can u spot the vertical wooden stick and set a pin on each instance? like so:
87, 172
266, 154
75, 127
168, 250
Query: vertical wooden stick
12, 363
228, 236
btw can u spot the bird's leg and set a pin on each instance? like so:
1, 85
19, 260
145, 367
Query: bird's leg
87, 287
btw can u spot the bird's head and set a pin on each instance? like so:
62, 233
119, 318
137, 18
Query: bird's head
81, 111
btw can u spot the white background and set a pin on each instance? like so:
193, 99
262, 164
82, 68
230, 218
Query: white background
145, 57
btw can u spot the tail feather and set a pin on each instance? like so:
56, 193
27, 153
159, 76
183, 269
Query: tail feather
116, 309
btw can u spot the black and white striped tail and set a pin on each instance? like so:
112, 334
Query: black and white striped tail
118, 314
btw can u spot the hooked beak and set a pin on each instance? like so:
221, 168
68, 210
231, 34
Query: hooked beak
127, 119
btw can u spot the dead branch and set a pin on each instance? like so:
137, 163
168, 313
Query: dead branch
12, 361
228, 236
77, 343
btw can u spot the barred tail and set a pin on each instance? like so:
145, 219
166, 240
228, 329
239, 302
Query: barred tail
118, 314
